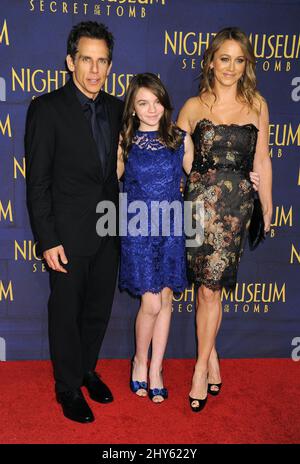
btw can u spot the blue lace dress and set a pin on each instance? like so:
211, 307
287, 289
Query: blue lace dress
153, 257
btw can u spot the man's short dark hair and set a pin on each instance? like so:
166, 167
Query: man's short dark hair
93, 30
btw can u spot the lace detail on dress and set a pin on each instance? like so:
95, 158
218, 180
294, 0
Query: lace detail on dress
148, 141
222, 146
220, 179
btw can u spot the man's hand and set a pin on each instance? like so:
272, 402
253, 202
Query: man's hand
53, 255
254, 177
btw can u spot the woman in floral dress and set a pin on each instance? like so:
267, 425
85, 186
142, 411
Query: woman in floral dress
229, 125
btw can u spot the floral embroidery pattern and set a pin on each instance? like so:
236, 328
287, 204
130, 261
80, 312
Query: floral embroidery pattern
220, 178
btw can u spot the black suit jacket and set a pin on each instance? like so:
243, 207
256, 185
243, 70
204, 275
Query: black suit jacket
64, 176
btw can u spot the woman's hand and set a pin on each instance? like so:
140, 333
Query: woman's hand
267, 221
254, 177
182, 185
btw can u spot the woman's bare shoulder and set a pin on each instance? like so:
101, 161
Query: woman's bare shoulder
192, 104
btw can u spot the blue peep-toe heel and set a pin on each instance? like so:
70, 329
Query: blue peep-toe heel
136, 385
158, 392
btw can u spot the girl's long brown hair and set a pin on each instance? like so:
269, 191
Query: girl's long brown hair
169, 134
246, 89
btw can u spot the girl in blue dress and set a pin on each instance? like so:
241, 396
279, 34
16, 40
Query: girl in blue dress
153, 152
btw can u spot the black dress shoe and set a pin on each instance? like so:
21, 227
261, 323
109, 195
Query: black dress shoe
98, 391
74, 406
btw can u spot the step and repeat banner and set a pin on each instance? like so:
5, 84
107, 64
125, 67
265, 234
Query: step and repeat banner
261, 317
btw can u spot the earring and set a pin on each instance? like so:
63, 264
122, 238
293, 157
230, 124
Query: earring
133, 114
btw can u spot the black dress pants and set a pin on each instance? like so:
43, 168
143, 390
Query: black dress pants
79, 310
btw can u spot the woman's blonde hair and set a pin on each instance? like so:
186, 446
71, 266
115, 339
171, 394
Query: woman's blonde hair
246, 89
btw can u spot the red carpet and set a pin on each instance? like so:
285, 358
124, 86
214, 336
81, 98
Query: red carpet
259, 403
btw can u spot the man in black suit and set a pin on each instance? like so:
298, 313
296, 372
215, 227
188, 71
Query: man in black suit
71, 157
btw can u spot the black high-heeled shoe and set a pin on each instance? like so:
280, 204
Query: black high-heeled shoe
214, 392
201, 403
210, 385
200, 406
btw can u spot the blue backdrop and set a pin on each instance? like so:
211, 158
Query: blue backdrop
167, 37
